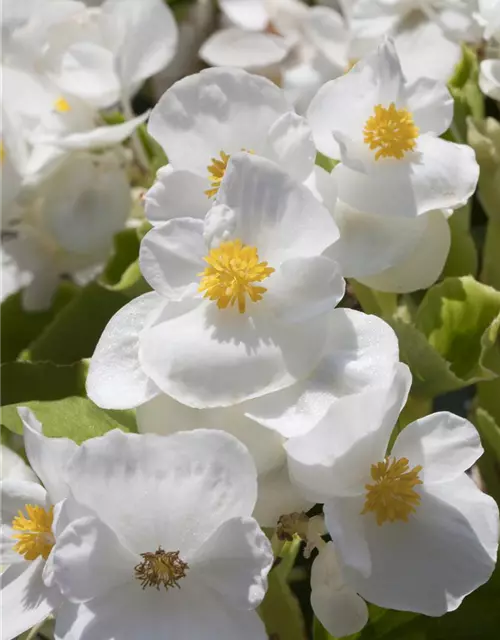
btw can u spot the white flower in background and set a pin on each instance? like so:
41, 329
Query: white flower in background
489, 75
205, 118
385, 132
67, 224
411, 529
180, 557
13, 467
27, 539
433, 28
299, 47
246, 291
336, 605
101, 55
388, 253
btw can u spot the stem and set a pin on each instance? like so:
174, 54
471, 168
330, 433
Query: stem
137, 145
34, 631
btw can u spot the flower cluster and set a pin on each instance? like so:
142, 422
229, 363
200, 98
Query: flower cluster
256, 380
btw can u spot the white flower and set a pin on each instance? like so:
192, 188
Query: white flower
299, 47
68, 223
411, 530
434, 28
385, 131
388, 253
179, 557
98, 54
336, 605
489, 75
205, 118
13, 467
27, 539
245, 292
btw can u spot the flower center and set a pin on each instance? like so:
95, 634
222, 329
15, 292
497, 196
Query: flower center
36, 537
392, 497
62, 105
391, 131
233, 268
160, 568
216, 172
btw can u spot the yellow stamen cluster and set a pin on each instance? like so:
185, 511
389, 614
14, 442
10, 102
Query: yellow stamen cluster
233, 268
160, 568
62, 105
392, 497
36, 537
391, 131
216, 172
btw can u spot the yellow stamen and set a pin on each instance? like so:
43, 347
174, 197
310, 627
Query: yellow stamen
391, 131
36, 538
216, 172
62, 105
233, 267
161, 568
392, 497
350, 64
2, 152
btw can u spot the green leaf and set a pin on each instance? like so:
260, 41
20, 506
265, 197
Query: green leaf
461, 318
280, 609
74, 333
122, 273
378, 303
25, 381
326, 163
20, 327
76, 418
491, 252
462, 259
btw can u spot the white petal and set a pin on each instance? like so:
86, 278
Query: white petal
25, 599
444, 444
252, 51
204, 114
116, 379
87, 71
447, 549
176, 194
129, 613
247, 14
205, 478
376, 79
220, 357
440, 175
346, 526
489, 78
13, 466
277, 496
303, 288
271, 211
101, 137
150, 39
423, 265
431, 105
335, 457
370, 244
291, 145
89, 559
235, 561
437, 54
164, 415
362, 351
338, 607
171, 257
49, 457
